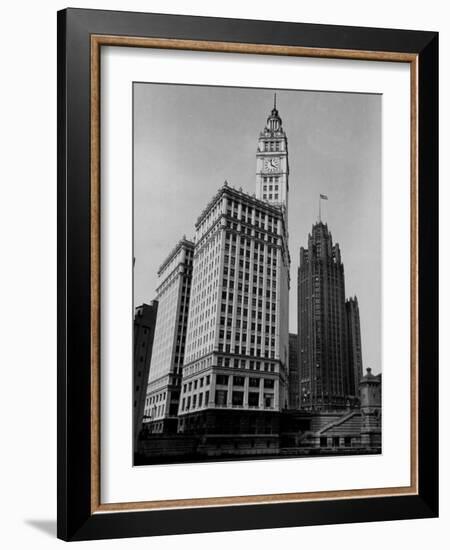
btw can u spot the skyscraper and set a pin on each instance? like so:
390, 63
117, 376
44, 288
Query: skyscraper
144, 330
237, 347
354, 345
322, 324
173, 295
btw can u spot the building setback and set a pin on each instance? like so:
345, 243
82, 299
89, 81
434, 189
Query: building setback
322, 321
354, 345
144, 330
294, 380
173, 295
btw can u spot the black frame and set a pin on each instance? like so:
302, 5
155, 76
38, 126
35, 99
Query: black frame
75, 521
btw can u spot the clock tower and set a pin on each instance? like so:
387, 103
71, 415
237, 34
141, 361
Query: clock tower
272, 166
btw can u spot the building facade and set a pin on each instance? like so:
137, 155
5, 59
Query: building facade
164, 381
237, 342
144, 330
294, 379
354, 345
322, 324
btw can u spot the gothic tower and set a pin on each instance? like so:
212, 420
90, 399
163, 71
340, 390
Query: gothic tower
322, 324
272, 166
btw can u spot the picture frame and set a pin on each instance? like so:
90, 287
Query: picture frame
81, 35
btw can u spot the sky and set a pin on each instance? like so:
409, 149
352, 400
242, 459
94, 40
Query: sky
189, 139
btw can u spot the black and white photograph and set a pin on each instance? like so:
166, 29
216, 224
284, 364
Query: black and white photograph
257, 273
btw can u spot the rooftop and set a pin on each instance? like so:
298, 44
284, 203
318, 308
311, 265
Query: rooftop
240, 195
182, 243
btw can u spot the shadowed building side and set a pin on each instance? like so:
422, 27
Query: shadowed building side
144, 330
355, 362
294, 379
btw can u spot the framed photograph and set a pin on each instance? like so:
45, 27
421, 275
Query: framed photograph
247, 257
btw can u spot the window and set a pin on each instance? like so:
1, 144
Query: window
238, 398
253, 399
221, 397
238, 380
222, 379
269, 383
268, 400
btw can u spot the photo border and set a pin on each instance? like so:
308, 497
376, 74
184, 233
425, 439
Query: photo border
81, 34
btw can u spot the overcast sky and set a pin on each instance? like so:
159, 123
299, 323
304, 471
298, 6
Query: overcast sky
189, 139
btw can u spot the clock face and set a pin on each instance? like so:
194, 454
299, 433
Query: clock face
272, 164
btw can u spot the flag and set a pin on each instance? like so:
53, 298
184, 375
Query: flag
324, 197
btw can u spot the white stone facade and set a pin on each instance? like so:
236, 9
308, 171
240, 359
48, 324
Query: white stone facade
173, 295
237, 345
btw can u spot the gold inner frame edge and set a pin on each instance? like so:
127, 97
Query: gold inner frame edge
97, 41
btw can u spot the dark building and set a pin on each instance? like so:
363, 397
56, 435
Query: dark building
144, 330
354, 345
294, 379
322, 323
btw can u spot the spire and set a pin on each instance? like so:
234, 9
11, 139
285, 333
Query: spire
274, 120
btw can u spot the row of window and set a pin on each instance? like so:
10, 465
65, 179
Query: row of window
243, 350
270, 196
270, 188
221, 400
271, 224
256, 216
199, 382
243, 363
247, 231
272, 145
196, 401
223, 380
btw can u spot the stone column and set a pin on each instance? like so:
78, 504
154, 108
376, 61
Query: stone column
230, 391
261, 393
212, 391
276, 399
246, 392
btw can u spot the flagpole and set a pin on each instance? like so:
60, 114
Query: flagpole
320, 210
